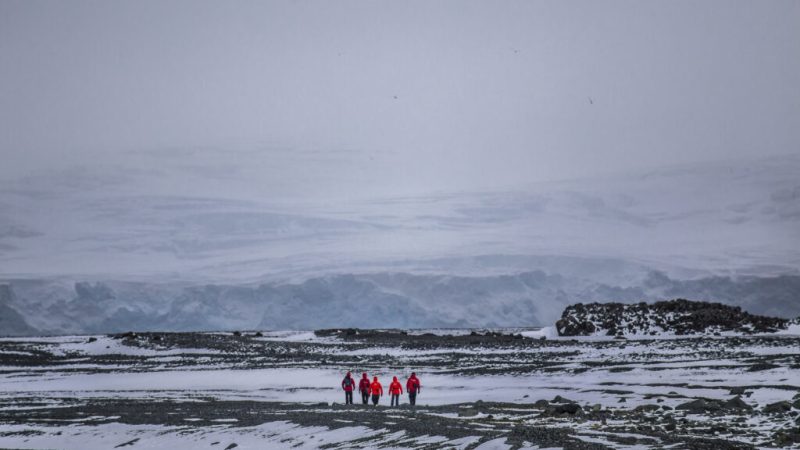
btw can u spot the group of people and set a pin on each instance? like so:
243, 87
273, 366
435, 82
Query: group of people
374, 389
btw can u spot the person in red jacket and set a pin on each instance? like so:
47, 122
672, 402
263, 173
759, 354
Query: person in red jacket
376, 390
348, 385
395, 389
413, 387
363, 387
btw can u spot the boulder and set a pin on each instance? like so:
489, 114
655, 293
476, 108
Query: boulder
565, 408
700, 406
736, 403
786, 438
778, 408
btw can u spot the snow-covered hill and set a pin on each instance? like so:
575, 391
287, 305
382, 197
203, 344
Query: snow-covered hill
183, 217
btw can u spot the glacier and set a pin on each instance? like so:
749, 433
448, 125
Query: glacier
134, 245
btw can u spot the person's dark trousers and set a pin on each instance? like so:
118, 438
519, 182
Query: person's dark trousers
395, 400
412, 398
375, 399
365, 397
348, 397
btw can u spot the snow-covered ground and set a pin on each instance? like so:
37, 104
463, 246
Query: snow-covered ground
75, 374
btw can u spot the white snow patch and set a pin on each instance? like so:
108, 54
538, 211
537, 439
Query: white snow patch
494, 444
105, 436
546, 332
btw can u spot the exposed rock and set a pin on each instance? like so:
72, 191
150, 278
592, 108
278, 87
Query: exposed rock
778, 407
786, 438
758, 367
468, 412
677, 317
700, 406
703, 406
646, 408
575, 328
128, 335
736, 403
565, 408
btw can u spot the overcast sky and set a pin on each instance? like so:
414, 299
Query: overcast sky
473, 93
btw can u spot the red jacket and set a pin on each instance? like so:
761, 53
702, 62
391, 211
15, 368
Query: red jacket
363, 385
375, 388
412, 385
395, 388
348, 387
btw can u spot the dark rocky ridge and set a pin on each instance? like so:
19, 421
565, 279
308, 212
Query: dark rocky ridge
674, 317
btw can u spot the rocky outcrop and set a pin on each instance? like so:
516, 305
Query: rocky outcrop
674, 317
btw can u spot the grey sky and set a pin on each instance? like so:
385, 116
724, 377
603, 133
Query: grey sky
476, 93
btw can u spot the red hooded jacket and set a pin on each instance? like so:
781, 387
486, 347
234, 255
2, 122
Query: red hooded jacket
375, 388
363, 385
413, 385
351, 386
395, 388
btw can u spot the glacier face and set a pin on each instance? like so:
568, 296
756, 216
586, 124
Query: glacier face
373, 300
